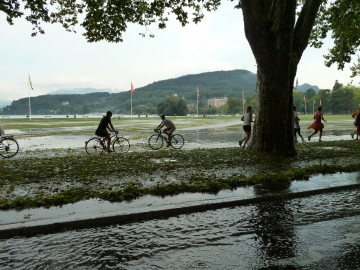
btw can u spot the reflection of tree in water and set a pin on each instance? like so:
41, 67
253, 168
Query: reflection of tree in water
273, 225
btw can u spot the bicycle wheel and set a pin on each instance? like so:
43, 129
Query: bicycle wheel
121, 145
94, 146
8, 147
156, 141
177, 141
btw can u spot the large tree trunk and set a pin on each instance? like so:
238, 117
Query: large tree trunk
277, 44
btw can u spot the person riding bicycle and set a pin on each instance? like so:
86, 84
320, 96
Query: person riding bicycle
169, 128
105, 123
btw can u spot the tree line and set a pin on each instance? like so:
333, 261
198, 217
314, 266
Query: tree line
338, 100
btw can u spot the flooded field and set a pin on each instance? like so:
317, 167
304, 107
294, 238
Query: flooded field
311, 230
198, 133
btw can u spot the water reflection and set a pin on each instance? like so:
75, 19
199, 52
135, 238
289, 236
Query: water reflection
273, 224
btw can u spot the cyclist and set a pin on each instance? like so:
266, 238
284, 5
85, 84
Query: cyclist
105, 123
169, 128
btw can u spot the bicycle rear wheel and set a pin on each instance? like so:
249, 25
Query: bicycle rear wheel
156, 141
177, 141
94, 146
8, 147
121, 145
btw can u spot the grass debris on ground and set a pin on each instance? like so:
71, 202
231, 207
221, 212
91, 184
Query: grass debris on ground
40, 181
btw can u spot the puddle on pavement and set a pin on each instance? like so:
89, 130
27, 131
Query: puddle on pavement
96, 208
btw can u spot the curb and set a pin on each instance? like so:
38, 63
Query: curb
29, 231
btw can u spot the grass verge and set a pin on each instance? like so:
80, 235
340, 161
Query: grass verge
54, 181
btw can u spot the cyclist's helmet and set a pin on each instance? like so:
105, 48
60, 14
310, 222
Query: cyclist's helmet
109, 113
162, 116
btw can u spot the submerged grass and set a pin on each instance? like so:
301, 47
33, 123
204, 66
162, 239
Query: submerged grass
52, 181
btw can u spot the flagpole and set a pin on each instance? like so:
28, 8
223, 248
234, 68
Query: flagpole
197, 101
29, 97
243, 102
131, 103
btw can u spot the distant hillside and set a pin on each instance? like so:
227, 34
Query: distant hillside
82, 91
304, 87
211, 84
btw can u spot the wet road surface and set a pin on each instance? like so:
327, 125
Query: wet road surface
313, 232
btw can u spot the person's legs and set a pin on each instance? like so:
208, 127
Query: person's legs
247, 137
108, 139
320, 134
298, 132
169, 136
294, 134
168, 132
309, 137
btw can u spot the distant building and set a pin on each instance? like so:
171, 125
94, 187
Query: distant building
217, 102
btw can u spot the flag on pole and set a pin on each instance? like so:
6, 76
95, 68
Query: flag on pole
30, 83
132, 89
320, 102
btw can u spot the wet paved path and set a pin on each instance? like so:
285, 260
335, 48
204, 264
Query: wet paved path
319, 231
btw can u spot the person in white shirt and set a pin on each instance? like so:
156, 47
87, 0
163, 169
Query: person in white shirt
296, 125
247, 118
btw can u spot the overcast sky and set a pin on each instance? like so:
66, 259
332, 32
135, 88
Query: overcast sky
62, 60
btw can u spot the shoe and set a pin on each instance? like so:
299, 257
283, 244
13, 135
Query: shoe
352, 135
320, 140
309, 138
168, 144
240, 142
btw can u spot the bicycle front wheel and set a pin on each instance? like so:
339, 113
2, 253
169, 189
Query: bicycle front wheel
177, 141
94, 146
121, 145
8, 147
156, 141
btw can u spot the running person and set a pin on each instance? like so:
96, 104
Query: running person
247, 118
355, 115
317, 125
296, 125
169, 128
105, 123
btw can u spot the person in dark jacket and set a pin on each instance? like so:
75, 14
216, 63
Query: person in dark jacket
105, 125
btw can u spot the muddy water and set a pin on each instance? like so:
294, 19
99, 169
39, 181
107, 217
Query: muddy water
315, 232
214, 137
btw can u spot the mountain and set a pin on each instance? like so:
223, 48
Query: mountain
304, 87
229, 84
82, 91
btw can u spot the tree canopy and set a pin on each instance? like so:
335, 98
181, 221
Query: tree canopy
109, 19
278, 32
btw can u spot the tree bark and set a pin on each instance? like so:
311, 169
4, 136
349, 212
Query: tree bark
277, 43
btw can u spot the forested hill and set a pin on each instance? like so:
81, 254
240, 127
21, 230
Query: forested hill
217, 83
210, 84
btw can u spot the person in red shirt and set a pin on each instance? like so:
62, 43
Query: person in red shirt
356, 114
317, 125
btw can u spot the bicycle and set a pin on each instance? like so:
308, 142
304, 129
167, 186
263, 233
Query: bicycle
97, 145
156, 141
9, 147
